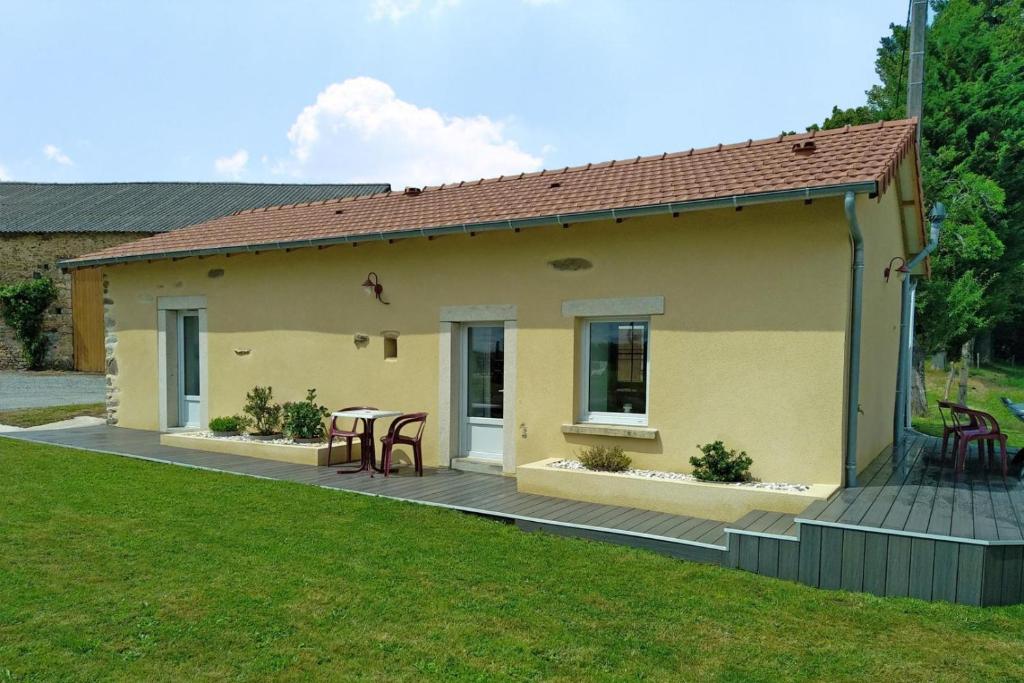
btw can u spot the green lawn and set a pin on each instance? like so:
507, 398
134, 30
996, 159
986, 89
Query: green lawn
33, 417
120, 569
986, 387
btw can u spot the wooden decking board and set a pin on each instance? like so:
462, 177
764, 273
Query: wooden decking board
557, 505
670, 521
789, 560
809, 567
904, 502
695, 532
852, 570
1007, 525
984, 515
682, 528
768, 556
623, 520
922, 567
921, 509
714, 535
783, 526
831, 557
749, 546
609, 512
944, 574
1012, 569
497, 500
970, 573
765, 521
897, 568
748, 519
876, 552
941, 521
649, 521
598, 512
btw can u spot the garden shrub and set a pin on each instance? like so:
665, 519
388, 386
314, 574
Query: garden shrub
605, 459
718, 464
22, 306
305, 419
265, 414
231, 423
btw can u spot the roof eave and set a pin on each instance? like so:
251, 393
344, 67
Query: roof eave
535, 222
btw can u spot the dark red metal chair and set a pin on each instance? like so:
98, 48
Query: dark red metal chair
362, 433
395, 437
952, 425
984, 430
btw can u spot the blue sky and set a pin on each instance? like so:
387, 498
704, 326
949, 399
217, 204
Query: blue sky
410, 91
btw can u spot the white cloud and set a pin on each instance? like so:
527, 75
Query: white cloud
232, 165
358, 130
394, 10
53, 153
3, 174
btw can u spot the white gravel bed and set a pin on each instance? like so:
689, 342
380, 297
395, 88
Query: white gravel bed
679, 476
245, 437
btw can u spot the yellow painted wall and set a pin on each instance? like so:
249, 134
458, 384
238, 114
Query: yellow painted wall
751, 348
880, 333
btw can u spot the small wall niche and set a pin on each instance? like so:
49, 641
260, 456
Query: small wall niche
390, 344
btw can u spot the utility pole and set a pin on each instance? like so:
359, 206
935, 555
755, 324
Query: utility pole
915, 101
915, 78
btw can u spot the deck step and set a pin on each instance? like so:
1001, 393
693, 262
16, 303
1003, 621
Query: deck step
764, 523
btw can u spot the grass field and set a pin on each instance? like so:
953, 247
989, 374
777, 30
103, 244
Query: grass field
33, 417
986, 386
113, 568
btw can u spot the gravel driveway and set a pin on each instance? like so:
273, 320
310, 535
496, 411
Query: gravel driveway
35, 389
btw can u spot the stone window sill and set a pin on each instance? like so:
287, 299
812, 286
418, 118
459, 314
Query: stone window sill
620, 431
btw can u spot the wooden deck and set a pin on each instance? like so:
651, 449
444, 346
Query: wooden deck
690, 538
912, 529
922, 498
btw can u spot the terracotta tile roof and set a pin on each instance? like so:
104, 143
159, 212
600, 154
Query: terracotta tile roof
864, 155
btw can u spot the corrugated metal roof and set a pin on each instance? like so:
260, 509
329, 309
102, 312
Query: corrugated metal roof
146, 207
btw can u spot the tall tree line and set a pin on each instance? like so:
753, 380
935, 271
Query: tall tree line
972, 161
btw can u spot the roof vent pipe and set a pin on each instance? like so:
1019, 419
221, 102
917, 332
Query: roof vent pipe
899, 417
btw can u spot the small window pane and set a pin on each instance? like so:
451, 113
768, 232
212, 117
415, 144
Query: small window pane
618, 367
190, 334
485, 373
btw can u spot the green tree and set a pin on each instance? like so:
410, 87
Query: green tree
23, 306
972, 160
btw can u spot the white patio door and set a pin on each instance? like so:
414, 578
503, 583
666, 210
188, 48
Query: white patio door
189, 389
483, 390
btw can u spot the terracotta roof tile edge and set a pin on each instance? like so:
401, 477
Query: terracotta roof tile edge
98, 258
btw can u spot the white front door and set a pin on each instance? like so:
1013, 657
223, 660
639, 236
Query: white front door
483, 390
189, 388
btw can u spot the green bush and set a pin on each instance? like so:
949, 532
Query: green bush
22, 306
605, 459
265, 414
305, 419
718, 464
231, 423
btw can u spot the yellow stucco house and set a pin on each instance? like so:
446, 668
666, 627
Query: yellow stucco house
653, 303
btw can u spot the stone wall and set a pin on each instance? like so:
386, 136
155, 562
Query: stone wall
24, 256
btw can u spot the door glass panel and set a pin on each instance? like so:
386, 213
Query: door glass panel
190, 340
618, 367
485, 372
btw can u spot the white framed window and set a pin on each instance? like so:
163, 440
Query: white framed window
615, 370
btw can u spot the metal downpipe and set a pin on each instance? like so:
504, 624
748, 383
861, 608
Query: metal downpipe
899, 415
856, 306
